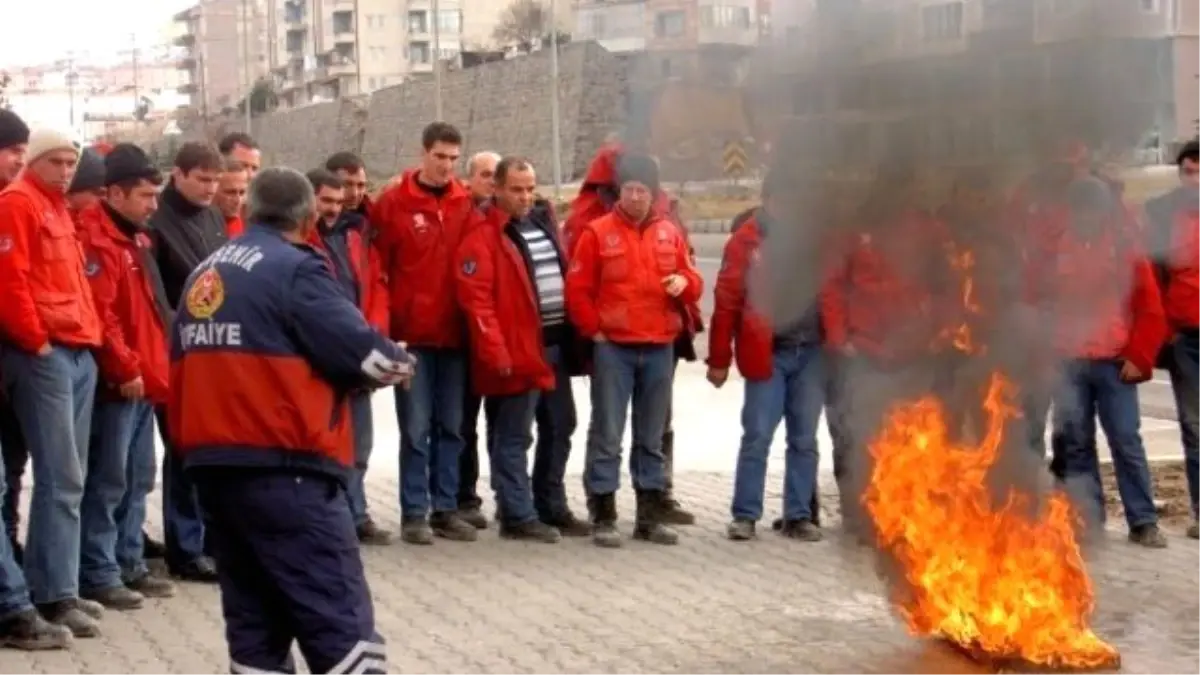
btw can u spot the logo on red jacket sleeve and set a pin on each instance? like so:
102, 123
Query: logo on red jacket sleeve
91, 266
468, 267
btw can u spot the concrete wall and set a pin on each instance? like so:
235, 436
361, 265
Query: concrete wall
503, 106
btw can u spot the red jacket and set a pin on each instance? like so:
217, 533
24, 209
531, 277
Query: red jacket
1182, 295
367, 270
135, 339
878, 297
234, 227
418, 238
1105, 301
46, 297
737, 329
503, 319
591, 203
614, 285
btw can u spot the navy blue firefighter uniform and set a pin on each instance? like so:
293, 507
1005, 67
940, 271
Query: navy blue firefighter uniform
264, 350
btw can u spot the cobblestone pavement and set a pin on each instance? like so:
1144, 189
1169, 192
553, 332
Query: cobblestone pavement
707, 605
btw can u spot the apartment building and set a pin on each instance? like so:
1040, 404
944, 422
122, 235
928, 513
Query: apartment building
681, 39
1000, 59
223, 49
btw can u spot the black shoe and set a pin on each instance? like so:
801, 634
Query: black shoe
741, 530
1193, 530
371, 534
68, 614
151, 586
28, 631
802, 529
118, 598
416, 531
671, 513
649, 523
474, 516
1148, 535
602, 509
202, 569
152, 549
569, 525
448, 525
534, 530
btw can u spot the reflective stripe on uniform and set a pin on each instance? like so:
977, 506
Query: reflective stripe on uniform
367, 657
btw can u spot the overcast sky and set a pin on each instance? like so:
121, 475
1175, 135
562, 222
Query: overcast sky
37, 31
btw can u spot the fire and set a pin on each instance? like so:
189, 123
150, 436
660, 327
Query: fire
995, 578
963, 264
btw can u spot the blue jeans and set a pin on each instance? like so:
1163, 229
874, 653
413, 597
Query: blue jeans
622, 374
14, 594
364, 441
555, 419
183, 519
508, 442
52, 396
141, 468
1091, 389
103, 489
1185, 383
430, 417
795, 394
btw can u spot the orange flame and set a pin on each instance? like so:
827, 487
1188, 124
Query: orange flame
961, 336
997, 578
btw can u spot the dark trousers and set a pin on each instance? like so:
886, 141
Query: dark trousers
289, 567
16, 458
183, 524
468, 460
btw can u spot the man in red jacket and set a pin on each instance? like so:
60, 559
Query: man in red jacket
1109, 325
629, 272
49, 325
231, 196
510, 284
784, 371
1174, 222
133, 378
420, 220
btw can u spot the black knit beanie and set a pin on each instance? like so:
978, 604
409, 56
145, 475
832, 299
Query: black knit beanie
13, 130
638, 168
89, 173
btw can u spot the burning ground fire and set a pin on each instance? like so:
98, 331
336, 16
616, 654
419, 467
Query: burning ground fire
994, 576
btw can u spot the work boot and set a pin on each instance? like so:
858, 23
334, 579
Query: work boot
151, 586
201, 569
117, 598
68, 614
371, 534
474, 516
28, 631
1193, 530
1148, 535
802, 529
569, 525
90, 607
814, 507
533, 530
741, 530
603, 511
649, 525
416, 531
674, 514
447, 525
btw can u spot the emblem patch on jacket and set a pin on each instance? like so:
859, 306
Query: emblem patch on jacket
91, 267
206, 295
6, 244
468, 267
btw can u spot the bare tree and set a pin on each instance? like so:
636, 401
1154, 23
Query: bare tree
523, 25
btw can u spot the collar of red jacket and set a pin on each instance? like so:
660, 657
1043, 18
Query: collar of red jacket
412, 193
97, 219
55, 196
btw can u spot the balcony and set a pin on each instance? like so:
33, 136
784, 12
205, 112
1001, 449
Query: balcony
345, 37
187, 39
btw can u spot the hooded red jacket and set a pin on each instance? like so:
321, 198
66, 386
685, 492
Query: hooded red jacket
1182, 295
503, 319
417, 237
737, 329
135, 339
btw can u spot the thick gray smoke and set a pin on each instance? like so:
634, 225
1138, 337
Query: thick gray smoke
866, 136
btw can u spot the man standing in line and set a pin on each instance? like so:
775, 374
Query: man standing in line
184, 231
21, 625
49, 318
133, 378
240, 147
337, 234
420, 221
231, 196
270, 451
481, 172
628, 271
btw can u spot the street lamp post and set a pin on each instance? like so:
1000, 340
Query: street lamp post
437, 61
555, 121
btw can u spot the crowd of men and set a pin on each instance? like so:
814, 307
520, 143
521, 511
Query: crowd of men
134, 301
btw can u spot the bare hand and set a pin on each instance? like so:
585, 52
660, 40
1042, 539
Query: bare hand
1131, 373
599, 337
674, 284
45, 350
134, 388
717, 376
849, 350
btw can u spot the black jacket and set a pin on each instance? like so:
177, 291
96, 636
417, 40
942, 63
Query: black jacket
183, 235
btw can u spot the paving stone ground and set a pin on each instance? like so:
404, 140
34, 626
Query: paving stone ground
707, 605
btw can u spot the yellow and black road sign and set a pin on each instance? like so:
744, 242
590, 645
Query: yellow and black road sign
735, 160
